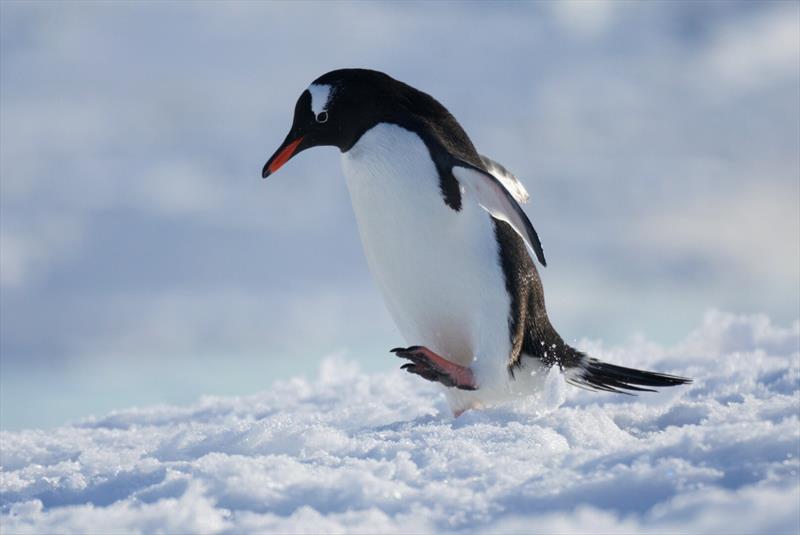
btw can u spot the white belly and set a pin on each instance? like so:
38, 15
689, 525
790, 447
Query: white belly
438, 269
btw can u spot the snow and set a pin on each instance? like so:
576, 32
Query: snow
354, 452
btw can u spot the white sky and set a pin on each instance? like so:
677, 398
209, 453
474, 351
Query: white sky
659, 143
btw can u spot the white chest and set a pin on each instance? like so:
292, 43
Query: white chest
438, 269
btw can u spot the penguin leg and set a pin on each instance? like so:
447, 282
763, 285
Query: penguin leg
432, 367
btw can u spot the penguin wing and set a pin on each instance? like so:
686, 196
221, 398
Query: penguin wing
495, 198
507, 179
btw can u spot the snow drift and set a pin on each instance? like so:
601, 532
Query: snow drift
380, 453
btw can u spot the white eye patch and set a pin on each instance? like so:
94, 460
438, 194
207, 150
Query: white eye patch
320, 95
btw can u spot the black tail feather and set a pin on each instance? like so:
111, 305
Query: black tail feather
593, 374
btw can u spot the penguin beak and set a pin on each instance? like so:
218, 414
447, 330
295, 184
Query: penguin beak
282, 155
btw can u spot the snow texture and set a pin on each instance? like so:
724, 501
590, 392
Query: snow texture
351, 452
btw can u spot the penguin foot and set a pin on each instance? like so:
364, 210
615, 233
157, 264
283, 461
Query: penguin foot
432, 367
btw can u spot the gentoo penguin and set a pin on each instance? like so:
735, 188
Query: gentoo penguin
446, 241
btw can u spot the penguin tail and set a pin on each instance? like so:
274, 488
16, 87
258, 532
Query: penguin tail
593, 374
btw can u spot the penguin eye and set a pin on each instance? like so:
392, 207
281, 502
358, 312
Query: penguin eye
322, 117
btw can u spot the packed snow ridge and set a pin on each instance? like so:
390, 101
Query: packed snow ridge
350, 452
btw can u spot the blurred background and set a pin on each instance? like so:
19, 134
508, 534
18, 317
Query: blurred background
144, 260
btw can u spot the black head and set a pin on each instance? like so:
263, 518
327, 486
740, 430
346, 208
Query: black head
338, 107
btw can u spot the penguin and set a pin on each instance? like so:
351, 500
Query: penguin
447, 242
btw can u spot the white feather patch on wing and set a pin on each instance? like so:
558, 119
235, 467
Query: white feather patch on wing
496, 199
507, 178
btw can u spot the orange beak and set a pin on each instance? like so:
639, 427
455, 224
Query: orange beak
283, 155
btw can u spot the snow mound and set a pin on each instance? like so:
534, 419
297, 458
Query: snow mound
350, 452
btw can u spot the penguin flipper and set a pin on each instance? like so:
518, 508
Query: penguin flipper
507, 178
496, 199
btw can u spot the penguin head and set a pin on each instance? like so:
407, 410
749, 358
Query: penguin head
335, 110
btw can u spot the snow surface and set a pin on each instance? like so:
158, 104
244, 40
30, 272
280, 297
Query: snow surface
380, 453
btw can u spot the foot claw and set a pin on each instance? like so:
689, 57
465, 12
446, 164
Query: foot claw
432, 367
411, 357
408, 353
